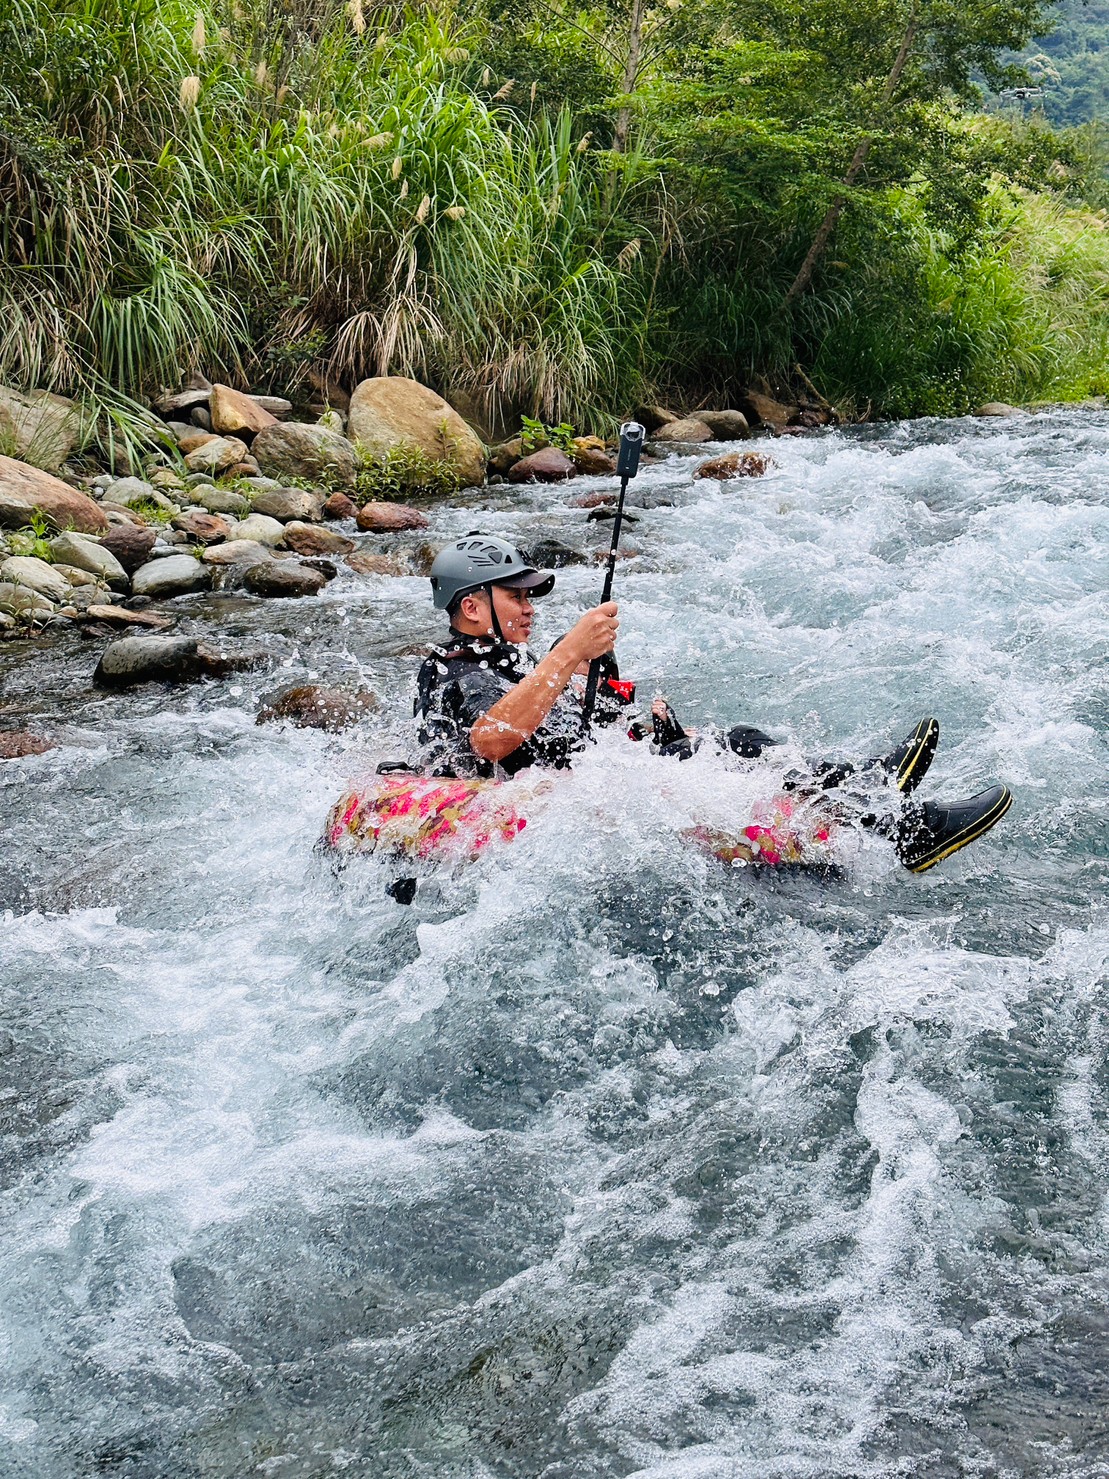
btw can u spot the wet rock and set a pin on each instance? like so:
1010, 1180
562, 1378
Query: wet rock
726, 426
653, 418
20, 600
237, 552
287, 504
506, 455
390, 517
132, 660
366, 563
310, 706
309, 539
689, 429
261, 528
176, 575
608, 511
202, 528
181, 403
238, 415
16, 743
122, 616
40, 428
339, 506
391, 412
284, 578
293, 449
92, 555
25, 490
999, 408
764, 410
76, 578
550, 554
223, 501
36, 575
735, 465
134, 492
325, 567
548, 466
597, 499
130, 544
591, 457
216, 456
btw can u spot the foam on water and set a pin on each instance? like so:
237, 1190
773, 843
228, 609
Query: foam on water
602, 1159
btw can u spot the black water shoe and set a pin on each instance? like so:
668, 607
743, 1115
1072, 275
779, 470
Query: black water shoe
909, 762
929, 831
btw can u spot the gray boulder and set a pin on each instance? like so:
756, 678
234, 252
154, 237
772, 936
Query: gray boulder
222, 501
36, 575
236, 552
40, 428
90, 555
285, 504
261, 528
284, 578
20, 600
133, 660
314, 454
176, 575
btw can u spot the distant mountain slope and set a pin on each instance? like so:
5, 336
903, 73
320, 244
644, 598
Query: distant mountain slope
1078, 53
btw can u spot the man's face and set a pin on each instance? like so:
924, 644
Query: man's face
514, 612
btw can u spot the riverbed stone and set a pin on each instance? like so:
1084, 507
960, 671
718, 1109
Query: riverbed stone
236, 414
295, 449
340, 506
25, 490
15, 744
367, 563
91, 555
261, 528
999, 408
123, 616
284, 578
310, 539
237, 552
311, 706
390, 518
175, 576
764, 410
130, 544
688, 429
286, 504
216, 455
391, 412
546, 466
592, 458
505, 455
202, 528
726, 426
154, 659
40, 428
36, 575
20, 600
222, 501
181, 403
735, 465
76, 578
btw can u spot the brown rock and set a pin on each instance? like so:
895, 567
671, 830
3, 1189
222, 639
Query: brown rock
366, 564
120, 616
590, 457
391, 412
235, 414
726, 426
735, 465
593, 500
548, 466
652, 418
130, 543
339, 506
190, 440
687, 430
308, 539
764, 410
311, 707
25, 489
203, 528
284, 578
389, 518
247, 468
216, 455
15, 743
809, 418
502, 457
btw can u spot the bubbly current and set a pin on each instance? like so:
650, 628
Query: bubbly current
602, 1159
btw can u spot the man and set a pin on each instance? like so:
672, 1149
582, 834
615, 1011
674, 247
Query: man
489, 708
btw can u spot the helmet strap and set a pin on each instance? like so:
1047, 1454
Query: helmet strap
493, 615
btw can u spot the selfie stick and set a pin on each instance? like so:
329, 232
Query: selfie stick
627, 465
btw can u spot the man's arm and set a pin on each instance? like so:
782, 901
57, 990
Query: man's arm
515, 717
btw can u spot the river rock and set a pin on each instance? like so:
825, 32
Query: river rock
222, 501
25, 490
276, 405
236, 414
293, 449
132, 492
216, 456
130, 544
391, 412
653, 418
76, 578
36, 575
91, 555
148, 659
16, 743
20, 600
180, 403
726, 426
192, 438
203, 528
591, 457
121, 616
339, 506
689, 429
390, 518
166, 482
237, 552
546, 466
261, 528
284, 578
764, 410
176, 575
119, 517
366, 563
309, 539
999, 408
735, 465
199, 417
312, 707
599, 498
505, 455
40, 428
551, 554
286, 504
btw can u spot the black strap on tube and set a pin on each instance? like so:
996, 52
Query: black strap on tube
627, 465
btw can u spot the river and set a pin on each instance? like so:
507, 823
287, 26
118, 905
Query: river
601, 1159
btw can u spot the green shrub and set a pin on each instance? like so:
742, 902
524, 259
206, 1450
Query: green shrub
403, 473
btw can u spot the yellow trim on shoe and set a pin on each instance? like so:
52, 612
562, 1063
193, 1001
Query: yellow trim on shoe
927, 730
983, 824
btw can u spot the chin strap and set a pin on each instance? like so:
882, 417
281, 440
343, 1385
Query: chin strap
500, 636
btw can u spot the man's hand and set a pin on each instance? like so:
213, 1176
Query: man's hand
593, 634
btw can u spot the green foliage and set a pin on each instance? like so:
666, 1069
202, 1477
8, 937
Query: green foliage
404, 472
151, 512
535, 434
33, 540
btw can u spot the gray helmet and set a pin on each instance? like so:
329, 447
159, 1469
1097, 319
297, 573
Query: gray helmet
480, 560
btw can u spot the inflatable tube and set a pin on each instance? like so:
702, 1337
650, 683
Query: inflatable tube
430, 818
